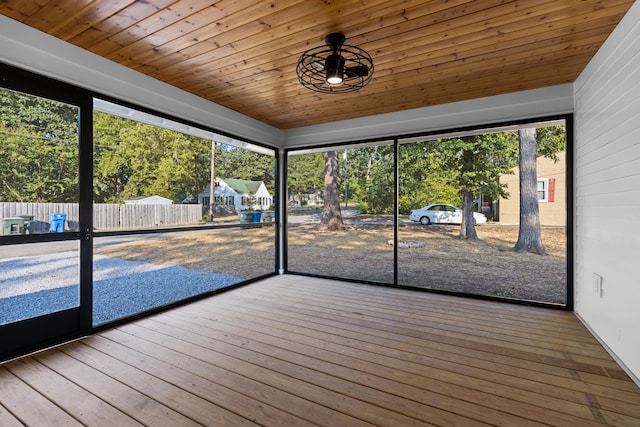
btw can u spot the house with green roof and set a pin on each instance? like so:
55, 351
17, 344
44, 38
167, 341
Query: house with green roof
238, 194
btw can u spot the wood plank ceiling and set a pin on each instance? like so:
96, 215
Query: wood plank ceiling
242, 53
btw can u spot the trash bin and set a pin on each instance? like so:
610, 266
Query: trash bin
256, 216
56, 222
12, 226
245, 217
267, 216
28, 219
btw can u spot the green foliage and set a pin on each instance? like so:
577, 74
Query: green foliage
438, 171
369, 171
478, 161
550, 141
362, 207
238, 163
39, 157
136, 159
434, 171
425, 178
38, 149
305, 174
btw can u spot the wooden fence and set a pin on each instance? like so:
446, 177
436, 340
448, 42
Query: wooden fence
105, 216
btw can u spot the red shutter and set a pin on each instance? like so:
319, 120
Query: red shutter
552, 190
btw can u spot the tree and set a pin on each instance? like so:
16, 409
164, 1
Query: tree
469, 186
529, 237
39, 151
39, 158
305, 174
425, 178
331, 213
370, 174
135, 159
240, 163
548, 142
478, 160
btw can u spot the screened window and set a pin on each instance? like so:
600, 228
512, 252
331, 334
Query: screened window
151, 175
438, 212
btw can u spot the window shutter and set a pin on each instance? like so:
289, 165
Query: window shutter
552, 190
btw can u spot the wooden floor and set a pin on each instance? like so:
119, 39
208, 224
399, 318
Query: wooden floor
295, 351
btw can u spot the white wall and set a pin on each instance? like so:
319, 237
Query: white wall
36, 51
607, 192
493, 109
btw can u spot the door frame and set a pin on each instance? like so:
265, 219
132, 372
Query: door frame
35, 333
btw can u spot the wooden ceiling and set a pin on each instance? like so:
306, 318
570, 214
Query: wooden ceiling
242, 53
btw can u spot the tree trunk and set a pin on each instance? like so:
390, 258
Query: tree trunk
468, 226
529, 237
212, 182
331, 213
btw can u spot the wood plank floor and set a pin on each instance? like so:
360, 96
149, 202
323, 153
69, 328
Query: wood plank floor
296, 351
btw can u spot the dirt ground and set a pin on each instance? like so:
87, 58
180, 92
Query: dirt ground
242, 252
485, 267
440, 260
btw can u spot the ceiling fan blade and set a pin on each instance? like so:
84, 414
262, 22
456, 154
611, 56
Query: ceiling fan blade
317, 64
357, 71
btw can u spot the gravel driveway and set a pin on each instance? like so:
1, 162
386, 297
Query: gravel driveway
36, 285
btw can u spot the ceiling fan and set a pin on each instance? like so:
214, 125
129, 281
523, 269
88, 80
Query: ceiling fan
336, 67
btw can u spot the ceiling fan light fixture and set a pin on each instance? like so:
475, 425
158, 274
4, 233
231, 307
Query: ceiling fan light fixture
335, 67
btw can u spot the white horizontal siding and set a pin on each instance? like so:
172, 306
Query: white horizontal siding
607, 191
609, 129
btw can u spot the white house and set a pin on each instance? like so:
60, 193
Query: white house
238, 194
148, 200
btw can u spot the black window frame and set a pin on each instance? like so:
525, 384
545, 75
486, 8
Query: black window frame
569, 126
17, 337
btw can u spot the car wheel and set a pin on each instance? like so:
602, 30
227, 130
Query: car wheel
425, 220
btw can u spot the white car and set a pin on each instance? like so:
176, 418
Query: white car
440, 213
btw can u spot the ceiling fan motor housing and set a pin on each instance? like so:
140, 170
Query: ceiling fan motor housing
335, 40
